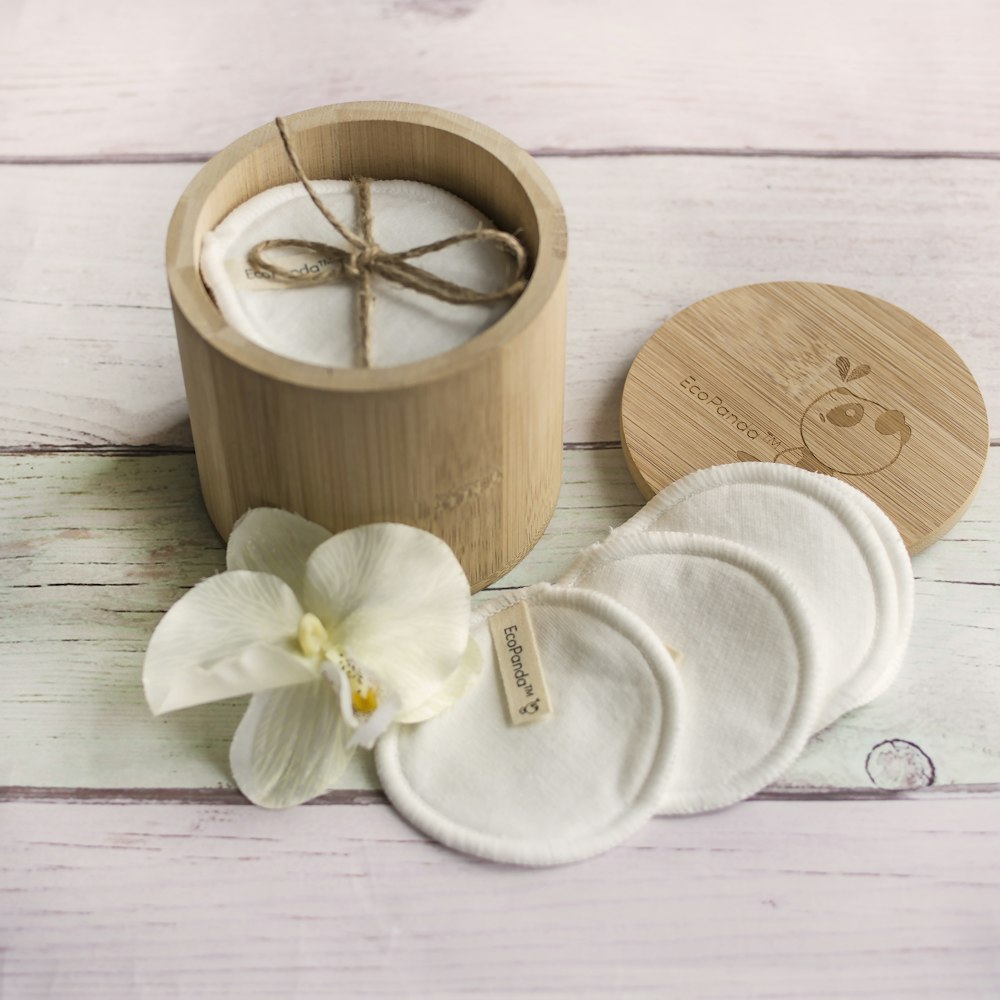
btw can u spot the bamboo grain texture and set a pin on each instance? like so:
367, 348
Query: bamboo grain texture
764, 373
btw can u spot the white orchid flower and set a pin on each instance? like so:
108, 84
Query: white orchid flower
335, 636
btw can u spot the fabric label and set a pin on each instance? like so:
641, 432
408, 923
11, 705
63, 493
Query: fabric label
520, 664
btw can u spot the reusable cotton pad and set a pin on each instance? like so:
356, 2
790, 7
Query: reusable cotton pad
842, 554
747, 658
564, 787
317, 323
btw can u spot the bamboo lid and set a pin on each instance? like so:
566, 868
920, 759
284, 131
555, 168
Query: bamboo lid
826, 378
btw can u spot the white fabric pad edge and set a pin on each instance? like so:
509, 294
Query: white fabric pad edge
902, 571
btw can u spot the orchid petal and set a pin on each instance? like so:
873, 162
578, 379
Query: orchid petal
269, 540
468, 670
230, 635
290, 746
396, 601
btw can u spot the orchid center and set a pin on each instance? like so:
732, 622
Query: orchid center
364, 696
314, 641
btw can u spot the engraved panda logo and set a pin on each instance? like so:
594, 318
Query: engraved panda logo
846, 433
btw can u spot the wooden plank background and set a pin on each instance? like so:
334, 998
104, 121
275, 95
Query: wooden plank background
343, 901
696, 147
667, 75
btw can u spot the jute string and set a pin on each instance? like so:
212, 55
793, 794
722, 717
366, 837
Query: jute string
366, 258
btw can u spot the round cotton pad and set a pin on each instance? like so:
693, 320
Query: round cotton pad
844, 557
746, 655
318, 323
564, 787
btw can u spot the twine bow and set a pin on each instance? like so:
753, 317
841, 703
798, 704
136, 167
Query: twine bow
366, 258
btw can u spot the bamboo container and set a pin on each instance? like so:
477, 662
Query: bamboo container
467, 444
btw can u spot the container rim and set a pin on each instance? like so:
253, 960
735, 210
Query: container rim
192, 298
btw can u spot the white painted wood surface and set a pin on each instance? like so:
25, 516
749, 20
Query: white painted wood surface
130, 868
860, 900
569, 74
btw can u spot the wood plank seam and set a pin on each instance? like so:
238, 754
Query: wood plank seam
546, 152
366, 797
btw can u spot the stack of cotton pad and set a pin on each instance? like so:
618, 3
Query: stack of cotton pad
317, 323
785, 596
840, 552
846, 570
